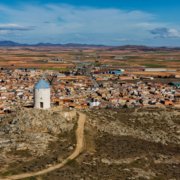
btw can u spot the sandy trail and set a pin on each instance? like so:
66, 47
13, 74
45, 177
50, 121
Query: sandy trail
77, 151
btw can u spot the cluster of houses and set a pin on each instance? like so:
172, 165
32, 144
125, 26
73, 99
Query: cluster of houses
78, 91
16, 87
124, 94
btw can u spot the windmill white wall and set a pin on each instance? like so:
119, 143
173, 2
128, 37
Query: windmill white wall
42, 95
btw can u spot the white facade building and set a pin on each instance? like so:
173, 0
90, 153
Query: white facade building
94, 104
159, 70
42, 99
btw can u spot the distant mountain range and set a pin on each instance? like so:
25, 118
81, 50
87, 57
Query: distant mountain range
9, 43
74, 45
13, 44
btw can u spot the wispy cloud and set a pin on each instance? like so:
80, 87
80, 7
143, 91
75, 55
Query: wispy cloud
15, 27
66, 23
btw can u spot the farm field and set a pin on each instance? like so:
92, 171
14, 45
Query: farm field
41, 57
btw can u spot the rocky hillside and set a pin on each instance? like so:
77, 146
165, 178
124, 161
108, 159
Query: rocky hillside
127, 144
119, 144
153, 125
32, 130
135, 144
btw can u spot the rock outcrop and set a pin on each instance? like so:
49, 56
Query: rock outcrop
156, 126
31, 129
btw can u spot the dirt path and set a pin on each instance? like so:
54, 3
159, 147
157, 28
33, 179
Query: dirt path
77, 151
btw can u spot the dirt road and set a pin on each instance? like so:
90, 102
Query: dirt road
77, 151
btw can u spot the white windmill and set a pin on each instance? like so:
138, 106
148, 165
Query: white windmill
42, 95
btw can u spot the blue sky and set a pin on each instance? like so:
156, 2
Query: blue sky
110, 22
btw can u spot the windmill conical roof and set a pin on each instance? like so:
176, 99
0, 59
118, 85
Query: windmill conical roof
42, 84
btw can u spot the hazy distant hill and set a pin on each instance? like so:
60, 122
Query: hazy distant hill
74, 45
144, 48
12, 43
9, 43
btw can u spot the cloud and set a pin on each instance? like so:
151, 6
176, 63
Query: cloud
70, 19
56, 21
14, 27
164, 32
65, 23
